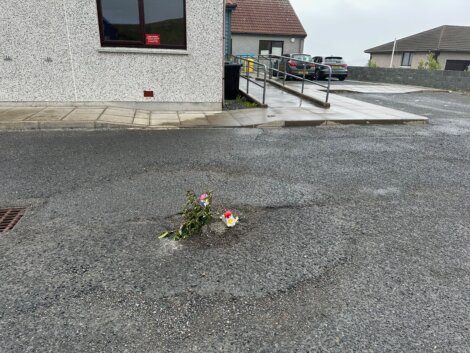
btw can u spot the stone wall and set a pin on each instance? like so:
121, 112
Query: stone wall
448, 80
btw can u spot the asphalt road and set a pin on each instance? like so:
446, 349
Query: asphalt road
442, 108
353, 239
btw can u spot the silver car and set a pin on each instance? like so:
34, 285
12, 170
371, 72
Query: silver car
338, 66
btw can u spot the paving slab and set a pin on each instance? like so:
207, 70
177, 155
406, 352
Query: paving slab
141, 121
194, 122
142, 114
167, 116
87, 114
120, 112
56, 113
164, 119
191, 116
223, 120
19, 113
5, 109
118, 119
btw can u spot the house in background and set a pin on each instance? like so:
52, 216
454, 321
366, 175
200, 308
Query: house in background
450, 45
161, 55
266, 27
230, 6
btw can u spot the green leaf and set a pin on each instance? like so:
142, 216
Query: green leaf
164, 235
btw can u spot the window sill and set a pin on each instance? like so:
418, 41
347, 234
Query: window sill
143, 51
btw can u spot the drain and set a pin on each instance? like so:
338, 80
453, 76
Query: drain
9, 218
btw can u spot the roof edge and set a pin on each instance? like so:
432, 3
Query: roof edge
419, 51
373, 49
280, 34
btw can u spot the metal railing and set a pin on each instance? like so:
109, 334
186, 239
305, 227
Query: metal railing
281, 63
249, 66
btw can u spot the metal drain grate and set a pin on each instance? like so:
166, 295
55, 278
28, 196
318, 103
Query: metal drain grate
9, 218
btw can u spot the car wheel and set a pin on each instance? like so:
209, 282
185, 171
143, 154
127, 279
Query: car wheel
342, 78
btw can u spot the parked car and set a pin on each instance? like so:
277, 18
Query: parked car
338, 66
295, 64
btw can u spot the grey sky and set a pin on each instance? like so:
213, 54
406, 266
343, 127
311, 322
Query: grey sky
348, 27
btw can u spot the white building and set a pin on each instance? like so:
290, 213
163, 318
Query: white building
146, 53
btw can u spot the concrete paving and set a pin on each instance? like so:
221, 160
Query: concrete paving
343, 109
285, 109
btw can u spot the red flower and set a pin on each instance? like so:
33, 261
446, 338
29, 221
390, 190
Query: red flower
228, 214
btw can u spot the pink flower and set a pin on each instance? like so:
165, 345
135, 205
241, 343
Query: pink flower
203, 197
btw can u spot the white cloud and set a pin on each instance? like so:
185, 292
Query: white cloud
348, 27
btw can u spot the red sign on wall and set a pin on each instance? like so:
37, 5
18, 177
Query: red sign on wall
152, 39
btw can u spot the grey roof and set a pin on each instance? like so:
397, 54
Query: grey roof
444, 38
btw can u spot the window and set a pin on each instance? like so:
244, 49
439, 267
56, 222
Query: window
406, 59
143, 23
267, 47
302, 57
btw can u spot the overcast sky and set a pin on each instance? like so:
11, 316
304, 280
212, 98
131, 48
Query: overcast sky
348, 27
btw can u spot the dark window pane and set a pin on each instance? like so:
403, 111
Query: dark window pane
264, 47
166, 19
121, 20
406, 59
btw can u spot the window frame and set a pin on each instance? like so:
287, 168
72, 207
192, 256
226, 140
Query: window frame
410, 59
141, 43
270, 45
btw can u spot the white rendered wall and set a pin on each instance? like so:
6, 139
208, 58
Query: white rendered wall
37, 66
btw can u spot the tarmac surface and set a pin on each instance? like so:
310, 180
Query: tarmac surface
438, 106
352, 238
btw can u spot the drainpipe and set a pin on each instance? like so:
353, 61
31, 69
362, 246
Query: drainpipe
393, 52
72, 68
224, 19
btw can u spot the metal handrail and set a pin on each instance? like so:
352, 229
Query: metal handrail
270, 57
248, 78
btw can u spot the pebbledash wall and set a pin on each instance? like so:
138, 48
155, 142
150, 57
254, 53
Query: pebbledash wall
448, 80
51, 53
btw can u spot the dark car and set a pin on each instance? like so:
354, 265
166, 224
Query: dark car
296, 64
338, 66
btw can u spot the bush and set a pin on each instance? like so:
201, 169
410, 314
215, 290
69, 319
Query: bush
196, 214
372, 64
431, 63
